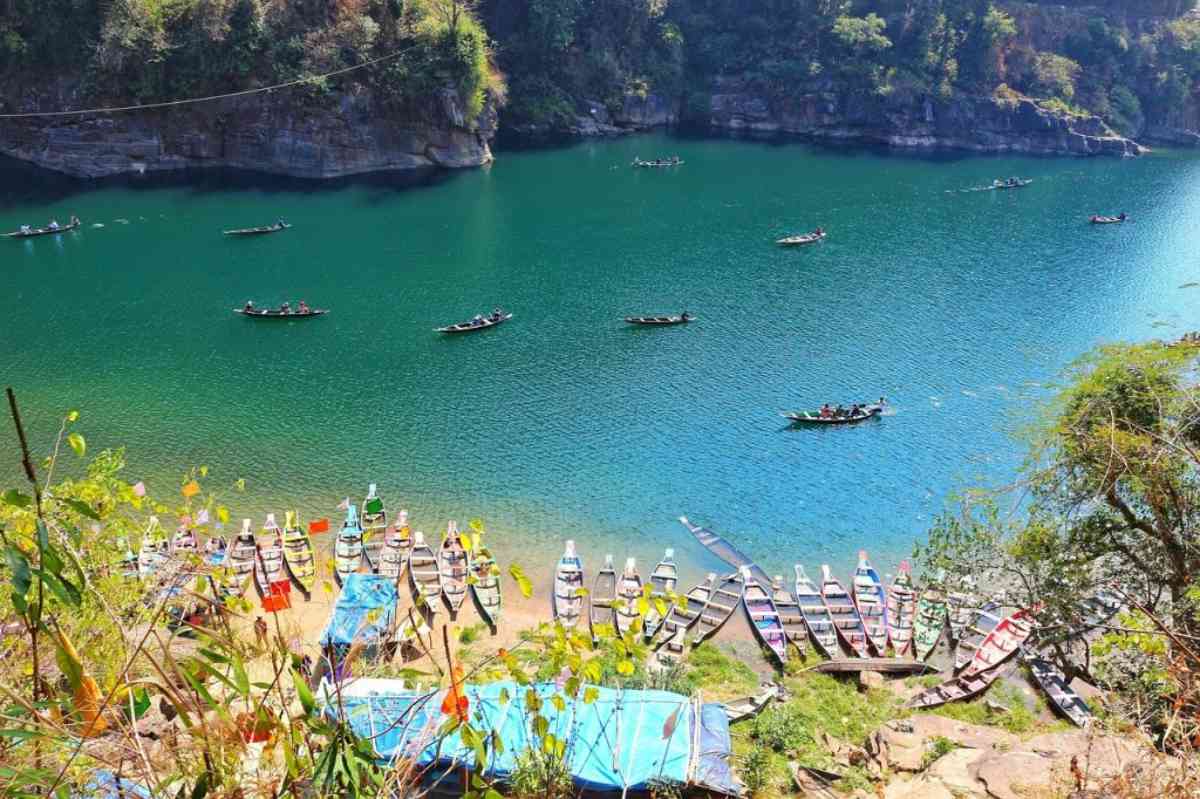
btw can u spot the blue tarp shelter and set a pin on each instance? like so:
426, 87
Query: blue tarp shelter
363, 611
624, 740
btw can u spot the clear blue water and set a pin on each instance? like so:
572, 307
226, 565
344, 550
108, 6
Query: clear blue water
565, 422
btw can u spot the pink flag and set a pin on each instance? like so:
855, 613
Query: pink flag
185, 521
345, 504
139, 489
202, 516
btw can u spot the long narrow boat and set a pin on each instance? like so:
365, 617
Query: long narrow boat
931, 617
267, 313
962, 687
764, 616
184, 541
845, 614
871, 603
812, 606
1054, 683
1108, 220
43, 231
374, 526
748, 706
259, 231
681, 618
397, 545
789, 614
801, 239
424, 574
961, 606
601, 616
268, 567
567, 606
986, 619
724, 550
478, 323
901, 609
240, 559
864, 413
886, 665
298, 554
1011, 183
154, 552
681, 319
453, 567
486, 585
722, 603
1000, 644
348, 547
629, 591
662, 582
658, 163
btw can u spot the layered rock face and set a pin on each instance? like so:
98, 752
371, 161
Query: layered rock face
344, 135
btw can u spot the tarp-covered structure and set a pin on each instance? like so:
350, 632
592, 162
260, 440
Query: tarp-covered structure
363, 612
623, 740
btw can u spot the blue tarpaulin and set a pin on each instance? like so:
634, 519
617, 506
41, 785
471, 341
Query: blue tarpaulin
363, 611
622, 740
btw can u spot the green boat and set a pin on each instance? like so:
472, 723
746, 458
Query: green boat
931, 616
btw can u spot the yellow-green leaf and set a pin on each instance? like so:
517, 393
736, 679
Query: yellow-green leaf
558, 703
466, 542
522, 581
240, 485
77, 443
223, 514
73, 416
476, 525
204, 471
590, 694
625, 668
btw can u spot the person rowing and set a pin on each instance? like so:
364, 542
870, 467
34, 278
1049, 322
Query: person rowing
496, 314
286, 308
685, 316
826, 411
303, 307
249, 307
53, 225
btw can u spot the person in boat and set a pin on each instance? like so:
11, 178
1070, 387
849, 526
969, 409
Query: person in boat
476, 321
839, 411
826, 411
53, 224
249, 307
281, 223
74, 220
820, 231
1121, 216
303, 307
286, 308
685, 316
26, 230
496, 314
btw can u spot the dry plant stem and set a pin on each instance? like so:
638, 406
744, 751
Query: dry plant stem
31, 623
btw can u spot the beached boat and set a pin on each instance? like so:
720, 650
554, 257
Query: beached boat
240, 559
478, 323
931, 617
453, 566
682, 319
279, 313
424, 574
803, 238
845, 614
962, 687
33, 232
259, 231
662, 582
984, 621
298, 554
486, 585
961, 606
680, 619
397, 544
629, 592
601, 610
789, 614
763, 616
1108, 220
883, 665
749, 706
657, 163
723, 601
184, 542
1054, 683
567, 605
348, 546
812, 605
268, 566
871, 603
155, 550
814, 783
374, 523
864, 413
901, 608
1005, 639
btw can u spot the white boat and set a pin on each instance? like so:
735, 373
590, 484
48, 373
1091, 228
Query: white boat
662, 582
240, 559
567, 604
601, 616
871, 603
816, 615
454, 564
397, 546
423, 573
348, 547
763, 616
268, 567
629, 591
789, 615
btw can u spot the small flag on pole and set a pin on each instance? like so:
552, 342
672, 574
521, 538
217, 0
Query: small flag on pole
319, 526
139, 489
345, 504
202, 516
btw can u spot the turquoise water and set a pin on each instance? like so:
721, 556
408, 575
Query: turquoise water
565, 422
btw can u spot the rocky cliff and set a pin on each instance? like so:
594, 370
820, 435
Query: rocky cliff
344, 134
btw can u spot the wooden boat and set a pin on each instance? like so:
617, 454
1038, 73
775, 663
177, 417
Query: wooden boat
814, 417
722, 603
681, 319
901, 608
629, 591
789, 614
155, 550
184, 542
845, 615
961, 607
259, 231
478, 323
374, 525
1054, 683
930, 619
804, 238
397, 545
298, 554
486, 586
601, 605
267, 313
725, 551
1005, 639
749, 706
962, 687
680, 619
1108, 220
348, 546
268, 566
1014, 183
662, 582
883, 665
424, 574
240, 559
986, 619
43, 231
657, 163
764, 617
871, 603
812, 606
671, 650
567, 606
814, 783
453, 567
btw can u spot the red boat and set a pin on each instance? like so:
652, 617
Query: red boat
1005, 639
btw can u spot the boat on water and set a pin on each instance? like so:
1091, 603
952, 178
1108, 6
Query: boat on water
1011, 183
374, 525
259, 231
283, 312
638, 163
348, 546
486, 585
268, 567
240, 559
764, 616
27, 232
154, 553
298, 554
662, 583
397, 545
961, 606
453, 567
680, 619
1108, 220
789, 614
821, 628
601, 604
831, 416
984, 621
479, 322
567, 604
871, 603
424, 574
930, 619
846, 618
184, 541
1002, 642
629, 593
681, 319
1054, 683
901, 608
801, 239
725, 551
725, 598
961, 687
